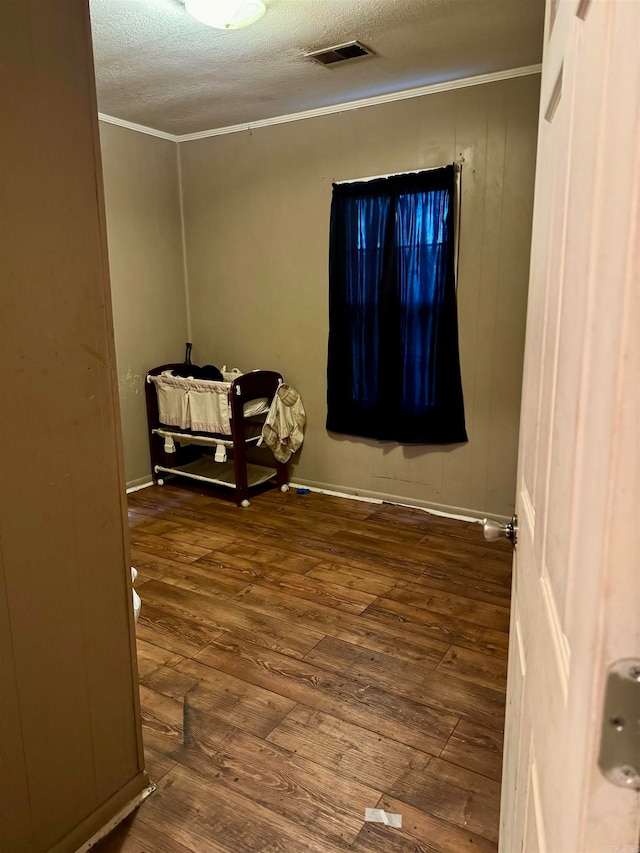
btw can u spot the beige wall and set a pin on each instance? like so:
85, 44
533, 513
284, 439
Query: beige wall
257, 223
70, 738
147, 279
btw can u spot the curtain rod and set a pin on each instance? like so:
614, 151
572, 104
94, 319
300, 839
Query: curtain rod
457, 163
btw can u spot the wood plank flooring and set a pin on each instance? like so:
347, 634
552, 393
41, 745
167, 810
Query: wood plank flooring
310, 657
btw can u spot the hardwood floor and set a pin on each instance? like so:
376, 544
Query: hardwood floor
308, 658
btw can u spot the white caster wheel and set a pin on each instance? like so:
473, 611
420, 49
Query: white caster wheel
284, 488
245, 503
160, 482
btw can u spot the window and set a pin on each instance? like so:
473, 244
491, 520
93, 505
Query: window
393, 369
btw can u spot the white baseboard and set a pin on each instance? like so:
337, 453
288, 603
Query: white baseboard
140, 483
117, 819
459, 513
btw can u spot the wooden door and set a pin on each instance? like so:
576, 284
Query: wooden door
70, 737
576, 603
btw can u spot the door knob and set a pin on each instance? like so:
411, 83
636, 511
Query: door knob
494, 530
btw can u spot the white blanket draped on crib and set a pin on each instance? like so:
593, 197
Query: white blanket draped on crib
283, 429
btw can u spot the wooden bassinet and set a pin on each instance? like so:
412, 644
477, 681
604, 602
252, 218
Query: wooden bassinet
191, 453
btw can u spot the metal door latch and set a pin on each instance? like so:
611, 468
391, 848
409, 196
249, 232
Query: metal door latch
619, 758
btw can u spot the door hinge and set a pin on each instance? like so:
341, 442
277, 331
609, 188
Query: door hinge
619, 758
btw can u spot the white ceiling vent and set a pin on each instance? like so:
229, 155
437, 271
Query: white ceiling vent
340, 53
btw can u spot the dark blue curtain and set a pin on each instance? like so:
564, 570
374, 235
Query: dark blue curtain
394, 369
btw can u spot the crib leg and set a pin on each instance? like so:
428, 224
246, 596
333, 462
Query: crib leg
240, 471
282, 476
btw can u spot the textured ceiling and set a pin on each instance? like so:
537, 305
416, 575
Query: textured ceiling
159, 67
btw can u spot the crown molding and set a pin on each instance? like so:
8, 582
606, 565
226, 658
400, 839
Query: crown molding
402, 95
139, 128
430, 89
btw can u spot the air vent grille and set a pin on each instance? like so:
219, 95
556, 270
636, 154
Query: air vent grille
340, 53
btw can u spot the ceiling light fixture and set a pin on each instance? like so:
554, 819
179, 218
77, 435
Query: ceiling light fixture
226, 14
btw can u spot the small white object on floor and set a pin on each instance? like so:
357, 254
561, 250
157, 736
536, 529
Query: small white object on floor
137, 604
381, 816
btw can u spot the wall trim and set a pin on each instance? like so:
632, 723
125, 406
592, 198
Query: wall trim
404, 94
459, 513
183, 236
116, 808
140, 483
139, 128
117, 819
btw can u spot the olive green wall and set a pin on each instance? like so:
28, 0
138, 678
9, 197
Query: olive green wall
256, 207
142, 199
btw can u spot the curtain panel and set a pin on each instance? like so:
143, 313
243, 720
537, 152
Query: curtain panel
393, 365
